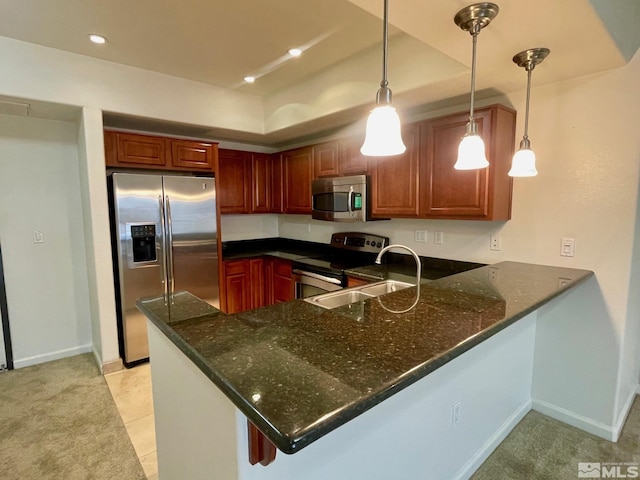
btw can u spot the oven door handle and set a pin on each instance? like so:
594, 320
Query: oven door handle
317, 276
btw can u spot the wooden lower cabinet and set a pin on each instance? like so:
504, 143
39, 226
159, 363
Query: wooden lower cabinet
255, 282
280, 287
237, 285
356, 282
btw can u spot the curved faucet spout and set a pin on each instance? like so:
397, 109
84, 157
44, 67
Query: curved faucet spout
415, 256
418, 274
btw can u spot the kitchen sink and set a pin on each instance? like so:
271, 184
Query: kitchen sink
382, 288
352, 295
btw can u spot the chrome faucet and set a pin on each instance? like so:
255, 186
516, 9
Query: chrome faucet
418, 275
415, 255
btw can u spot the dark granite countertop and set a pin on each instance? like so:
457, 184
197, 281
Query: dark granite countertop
394, 265
298, 371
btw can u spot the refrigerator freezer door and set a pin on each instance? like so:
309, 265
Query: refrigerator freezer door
137, 210
190, 205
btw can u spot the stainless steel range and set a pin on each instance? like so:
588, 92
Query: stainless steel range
316, 275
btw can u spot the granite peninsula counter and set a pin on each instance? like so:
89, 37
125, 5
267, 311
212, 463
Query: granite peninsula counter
299, 372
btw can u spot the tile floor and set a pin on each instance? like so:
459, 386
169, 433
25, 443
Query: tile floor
131, 391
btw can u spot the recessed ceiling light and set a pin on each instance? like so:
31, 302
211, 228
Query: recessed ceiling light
97, 38
249, 79
295, 52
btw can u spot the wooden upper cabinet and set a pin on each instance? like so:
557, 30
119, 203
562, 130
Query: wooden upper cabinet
234, 181
266, 183
298, 173
133, 150
350, 160
394, 179
193, 155
325, 160
483, 194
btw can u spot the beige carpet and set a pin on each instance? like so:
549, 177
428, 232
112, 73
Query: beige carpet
541, 448
58, 421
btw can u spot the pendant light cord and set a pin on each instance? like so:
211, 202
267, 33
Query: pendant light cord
526, 115
385, 44
474, 34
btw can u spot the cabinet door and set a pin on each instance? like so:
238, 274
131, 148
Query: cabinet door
394, 180
188, 155
256, 283
325, 160
282, 281
234, 181
266, 183
467, 194
237, 274
298, 172
279, 284
134, 150
350, 160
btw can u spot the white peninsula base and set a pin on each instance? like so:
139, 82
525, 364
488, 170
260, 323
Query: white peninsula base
202, 435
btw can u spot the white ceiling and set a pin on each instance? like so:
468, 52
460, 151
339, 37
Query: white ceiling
218, 42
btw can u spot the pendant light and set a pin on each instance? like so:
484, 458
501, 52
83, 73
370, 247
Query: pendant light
383, 136
471, 151
524, 161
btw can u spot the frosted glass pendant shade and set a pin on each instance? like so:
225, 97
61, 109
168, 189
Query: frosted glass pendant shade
523, 164
383, 136
471, 153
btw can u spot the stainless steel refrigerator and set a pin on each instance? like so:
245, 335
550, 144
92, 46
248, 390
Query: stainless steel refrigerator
164, 241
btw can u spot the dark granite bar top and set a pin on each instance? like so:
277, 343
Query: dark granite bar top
298, 371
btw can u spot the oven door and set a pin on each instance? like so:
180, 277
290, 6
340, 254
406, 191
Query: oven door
308, 284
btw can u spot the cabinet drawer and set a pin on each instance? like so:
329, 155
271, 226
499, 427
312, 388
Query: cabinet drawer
235, 267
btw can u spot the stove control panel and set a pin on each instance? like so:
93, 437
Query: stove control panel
361, 242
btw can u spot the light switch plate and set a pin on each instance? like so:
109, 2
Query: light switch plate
568, 247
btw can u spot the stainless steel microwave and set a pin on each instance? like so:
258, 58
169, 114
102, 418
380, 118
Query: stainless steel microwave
341, 199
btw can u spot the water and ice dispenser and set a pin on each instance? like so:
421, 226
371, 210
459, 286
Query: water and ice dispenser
143, 243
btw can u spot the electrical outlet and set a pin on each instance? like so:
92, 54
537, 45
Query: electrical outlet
420, 236
455, 414
38, 237
563, 282
493, 274
438, 237
495, 242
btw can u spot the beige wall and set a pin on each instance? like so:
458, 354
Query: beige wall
46, 283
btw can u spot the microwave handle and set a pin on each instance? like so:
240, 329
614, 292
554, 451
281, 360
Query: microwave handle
349, 200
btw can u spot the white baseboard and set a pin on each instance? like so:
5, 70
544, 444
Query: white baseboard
47, 357
492, 443
589, 425
617, 429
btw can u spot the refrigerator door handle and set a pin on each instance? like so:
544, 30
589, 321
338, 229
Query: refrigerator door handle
169, 246
164, 252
